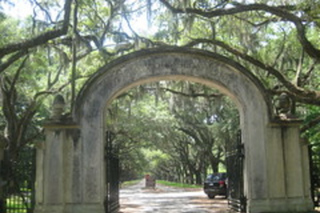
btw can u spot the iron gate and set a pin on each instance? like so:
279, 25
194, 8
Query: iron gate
234, 162
314, 155
112, 175
18, 181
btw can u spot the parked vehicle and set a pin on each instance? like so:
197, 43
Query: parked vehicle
216, 184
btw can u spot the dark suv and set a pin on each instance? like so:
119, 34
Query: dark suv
216, 184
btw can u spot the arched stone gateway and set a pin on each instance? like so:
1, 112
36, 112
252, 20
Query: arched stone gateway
70, 168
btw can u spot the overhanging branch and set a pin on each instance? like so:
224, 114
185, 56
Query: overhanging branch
306, 96
42, 38
280, 11
12, 59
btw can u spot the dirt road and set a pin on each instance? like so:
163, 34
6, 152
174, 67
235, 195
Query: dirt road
163, 199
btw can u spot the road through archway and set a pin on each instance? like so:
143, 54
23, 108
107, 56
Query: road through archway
164, 199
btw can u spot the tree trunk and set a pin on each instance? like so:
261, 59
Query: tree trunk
198, 177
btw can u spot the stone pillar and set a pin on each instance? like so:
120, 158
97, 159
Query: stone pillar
2, 201
59, 178
296, 168
288, 175
57, 172
54, 161
60, 167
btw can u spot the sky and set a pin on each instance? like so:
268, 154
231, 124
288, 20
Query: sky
20, 9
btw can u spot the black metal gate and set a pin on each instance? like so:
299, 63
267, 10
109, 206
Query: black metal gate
314, 156
234, 162
18, 181
112, 175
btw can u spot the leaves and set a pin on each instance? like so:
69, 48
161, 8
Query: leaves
278, 42
178, 124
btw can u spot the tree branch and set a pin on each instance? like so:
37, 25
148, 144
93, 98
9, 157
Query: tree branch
280, 11
12, 59
16, 76
44, 10
42, 38
305, 96
194, 95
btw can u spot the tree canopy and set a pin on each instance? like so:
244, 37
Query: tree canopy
58, 44
179, 130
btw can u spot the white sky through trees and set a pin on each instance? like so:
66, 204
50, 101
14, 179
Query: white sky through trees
21, 9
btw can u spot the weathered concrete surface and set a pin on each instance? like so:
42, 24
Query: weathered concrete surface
192, 65
276, 174
2, 197
58, 174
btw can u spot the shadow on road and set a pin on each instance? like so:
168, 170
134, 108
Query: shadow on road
164, 199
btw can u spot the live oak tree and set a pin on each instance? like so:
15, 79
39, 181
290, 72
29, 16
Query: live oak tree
276, 41
45, 54
181, 127
62, 43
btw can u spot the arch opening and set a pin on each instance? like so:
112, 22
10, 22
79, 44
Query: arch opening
204, 110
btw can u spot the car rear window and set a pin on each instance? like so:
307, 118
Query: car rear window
219, 176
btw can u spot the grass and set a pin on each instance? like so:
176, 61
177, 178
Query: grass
129, 183
163, 182
178, 185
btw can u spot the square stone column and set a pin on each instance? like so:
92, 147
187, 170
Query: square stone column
288, 174
59, 171
2, 199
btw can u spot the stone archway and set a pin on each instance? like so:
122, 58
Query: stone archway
70, 176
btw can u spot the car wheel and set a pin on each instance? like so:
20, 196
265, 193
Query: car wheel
211, 196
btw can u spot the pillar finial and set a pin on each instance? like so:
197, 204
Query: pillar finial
58, 107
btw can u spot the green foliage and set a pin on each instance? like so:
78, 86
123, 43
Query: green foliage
129, 183
178, 185
13, 30
312, 134
180, 128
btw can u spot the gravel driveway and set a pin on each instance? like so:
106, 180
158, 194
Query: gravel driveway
163, 199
